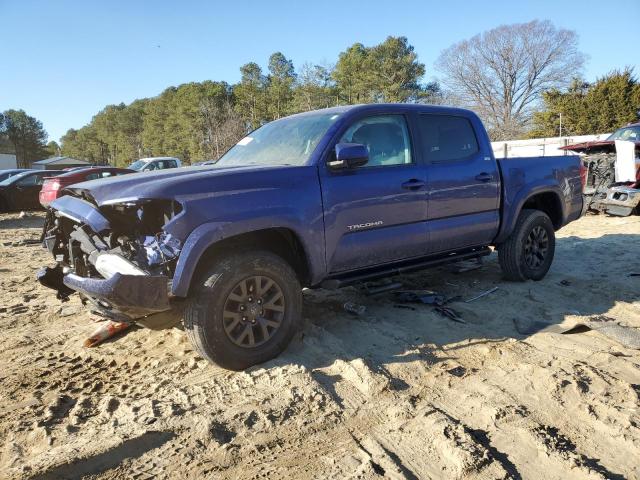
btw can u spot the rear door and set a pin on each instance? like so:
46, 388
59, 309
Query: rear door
463, 183
375, 213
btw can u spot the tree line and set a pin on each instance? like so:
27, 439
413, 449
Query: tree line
200, 121
519, 78
585, 108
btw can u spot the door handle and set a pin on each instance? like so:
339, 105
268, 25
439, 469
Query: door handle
484, 177
413, 184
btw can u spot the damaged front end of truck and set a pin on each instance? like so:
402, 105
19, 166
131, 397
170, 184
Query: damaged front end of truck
118, 257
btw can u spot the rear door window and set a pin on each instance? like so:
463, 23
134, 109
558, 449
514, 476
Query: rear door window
447, 138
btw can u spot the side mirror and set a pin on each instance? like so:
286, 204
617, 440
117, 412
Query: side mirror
350, 155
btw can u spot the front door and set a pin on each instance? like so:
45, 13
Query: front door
463, 183
376, 213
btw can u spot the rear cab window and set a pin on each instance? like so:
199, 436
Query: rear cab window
447, 138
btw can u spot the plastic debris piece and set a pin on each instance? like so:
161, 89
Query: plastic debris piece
458, 371
383, 288
483, 294
467, 265
626, 336
450, 314
405, 307
107, 330
421, 296
354, 308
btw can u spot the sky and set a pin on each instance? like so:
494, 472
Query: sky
63, 61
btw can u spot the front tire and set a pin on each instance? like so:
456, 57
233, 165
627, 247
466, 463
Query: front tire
528, 252
244, 309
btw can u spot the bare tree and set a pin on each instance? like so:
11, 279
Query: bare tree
222, 127
502, 73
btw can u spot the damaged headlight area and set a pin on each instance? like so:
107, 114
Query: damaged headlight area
117, 256
130, 232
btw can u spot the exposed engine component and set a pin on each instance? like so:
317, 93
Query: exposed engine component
95, 246
602, 193
161, 249
600, 176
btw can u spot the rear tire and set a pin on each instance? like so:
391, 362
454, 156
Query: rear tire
528, 252
244, 309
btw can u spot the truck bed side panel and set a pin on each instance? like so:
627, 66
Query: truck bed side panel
522, 178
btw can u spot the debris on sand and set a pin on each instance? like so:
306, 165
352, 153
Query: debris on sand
627, 336
434, 299
483, 294
107, 330
450, 313
354, 308
420, 296
467, 265
376, 290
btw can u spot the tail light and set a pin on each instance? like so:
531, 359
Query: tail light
583, 174
54, 185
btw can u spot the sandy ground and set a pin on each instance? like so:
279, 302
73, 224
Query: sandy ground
399, 392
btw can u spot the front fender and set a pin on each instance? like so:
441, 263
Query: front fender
208, 234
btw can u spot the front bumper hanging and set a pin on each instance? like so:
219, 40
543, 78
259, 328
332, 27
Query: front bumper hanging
123, 298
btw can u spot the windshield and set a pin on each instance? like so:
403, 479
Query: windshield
137, 165
14, 178
289, 141
631, 134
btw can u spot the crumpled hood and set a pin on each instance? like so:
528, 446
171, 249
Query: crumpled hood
584, 146
174, 183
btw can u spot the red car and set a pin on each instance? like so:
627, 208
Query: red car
52, 187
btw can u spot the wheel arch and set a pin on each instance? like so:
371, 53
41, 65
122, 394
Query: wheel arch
548, 202
282, 241
545, 198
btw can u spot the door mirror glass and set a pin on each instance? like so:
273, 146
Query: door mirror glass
350, 155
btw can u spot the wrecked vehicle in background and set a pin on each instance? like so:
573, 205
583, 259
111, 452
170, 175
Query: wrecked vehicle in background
326, 198
612, 176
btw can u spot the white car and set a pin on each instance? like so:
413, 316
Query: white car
154, 163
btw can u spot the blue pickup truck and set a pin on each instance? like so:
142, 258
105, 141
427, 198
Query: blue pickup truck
320, 199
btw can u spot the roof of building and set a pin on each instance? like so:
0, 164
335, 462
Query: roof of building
62, 161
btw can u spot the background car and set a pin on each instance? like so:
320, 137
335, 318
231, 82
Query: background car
52, 187
154, 163
20, 192
4, 174
630, 133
